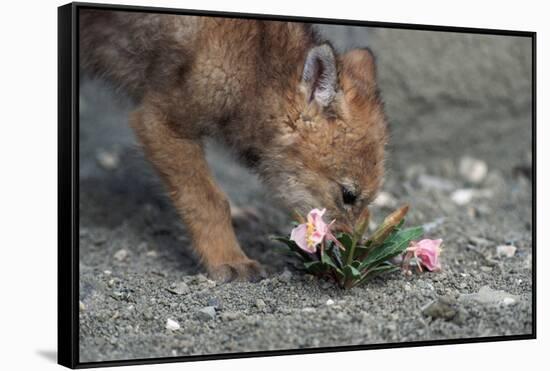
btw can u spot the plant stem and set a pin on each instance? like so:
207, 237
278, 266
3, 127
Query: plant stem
348, 284
357, 233
352, 249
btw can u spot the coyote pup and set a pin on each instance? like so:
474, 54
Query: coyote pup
309, 121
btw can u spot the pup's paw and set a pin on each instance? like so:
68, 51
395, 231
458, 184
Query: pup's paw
244, 271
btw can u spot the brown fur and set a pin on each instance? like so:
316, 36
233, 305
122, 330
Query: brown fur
243, 82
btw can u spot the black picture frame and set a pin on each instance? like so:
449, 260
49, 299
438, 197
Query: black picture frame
68, 183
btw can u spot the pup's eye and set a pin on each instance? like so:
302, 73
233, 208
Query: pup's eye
348, 196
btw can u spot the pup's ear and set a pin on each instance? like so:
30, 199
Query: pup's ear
358, 77
320, 77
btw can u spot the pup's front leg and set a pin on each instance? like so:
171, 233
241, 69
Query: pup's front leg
199, 201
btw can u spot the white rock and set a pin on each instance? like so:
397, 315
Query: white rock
107, 272
172, 325
121, 254
260, 304
330, 302
107, 160
308, 310
487, 295
82, 307
506, 250
462, 196
473, 170
384, 199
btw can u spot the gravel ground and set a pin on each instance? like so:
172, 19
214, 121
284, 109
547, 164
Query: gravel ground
459, 158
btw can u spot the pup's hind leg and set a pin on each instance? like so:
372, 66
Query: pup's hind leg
200, 202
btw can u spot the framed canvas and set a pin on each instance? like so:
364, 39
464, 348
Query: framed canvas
244, 185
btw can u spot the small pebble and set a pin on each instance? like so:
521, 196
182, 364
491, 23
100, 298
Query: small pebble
486, 295
215, 302
462, 196
81, 306
473, 170
508, 301
479, 241
260, 304
107, 160
330, 302
308, 310
385, 199
465, 195
172, 325
341, 316
121, 254
286, 276
206, 314
443, 307
179, 288
506, 250
107, 273
230, 316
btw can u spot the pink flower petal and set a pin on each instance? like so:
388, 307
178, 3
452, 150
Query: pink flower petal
427, 253
315, 216
317, 237
299, 235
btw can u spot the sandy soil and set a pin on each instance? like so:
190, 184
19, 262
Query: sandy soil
137, 270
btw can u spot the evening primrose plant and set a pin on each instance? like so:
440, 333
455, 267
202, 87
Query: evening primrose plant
350, 258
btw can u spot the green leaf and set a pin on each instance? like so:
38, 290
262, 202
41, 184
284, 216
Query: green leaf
351, 272
392, 247
292, 245
346, 240
361, 250
285, 250
383, 268
327, 260
337, 254
315, 267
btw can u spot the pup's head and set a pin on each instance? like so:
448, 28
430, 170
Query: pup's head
331, 150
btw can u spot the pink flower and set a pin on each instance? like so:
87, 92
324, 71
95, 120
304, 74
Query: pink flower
310, 234
426, 252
